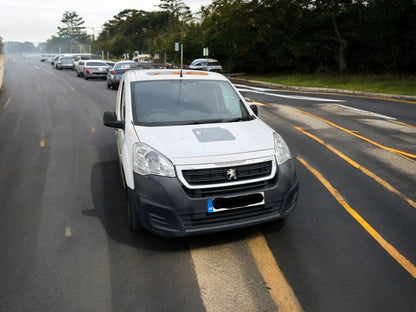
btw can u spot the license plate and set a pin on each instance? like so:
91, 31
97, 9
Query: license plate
228, 203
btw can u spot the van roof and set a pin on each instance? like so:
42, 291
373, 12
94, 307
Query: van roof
164, 74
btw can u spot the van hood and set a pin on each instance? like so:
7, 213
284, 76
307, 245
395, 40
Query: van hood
209, 142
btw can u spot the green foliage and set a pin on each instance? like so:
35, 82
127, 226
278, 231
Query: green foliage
72, 28
11, 47
71, 36
133, 30
265, 36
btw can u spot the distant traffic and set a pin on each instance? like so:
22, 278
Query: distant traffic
88, 65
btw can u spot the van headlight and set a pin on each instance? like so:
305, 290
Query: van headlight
281, 149
147, 160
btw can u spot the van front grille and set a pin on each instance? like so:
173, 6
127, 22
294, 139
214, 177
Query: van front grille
227, 174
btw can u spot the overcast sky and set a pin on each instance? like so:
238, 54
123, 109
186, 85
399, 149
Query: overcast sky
37, 20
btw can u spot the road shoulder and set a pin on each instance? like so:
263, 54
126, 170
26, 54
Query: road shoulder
2, 62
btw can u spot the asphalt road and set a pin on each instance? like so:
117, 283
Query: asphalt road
350, 245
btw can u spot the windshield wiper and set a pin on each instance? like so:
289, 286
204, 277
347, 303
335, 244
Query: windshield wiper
223, 120
238, 119
198, 122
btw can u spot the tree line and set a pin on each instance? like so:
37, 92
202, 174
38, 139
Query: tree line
263, 36
276, 35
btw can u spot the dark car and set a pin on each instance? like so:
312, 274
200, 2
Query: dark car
115, 73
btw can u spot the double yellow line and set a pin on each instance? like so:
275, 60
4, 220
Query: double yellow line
390, 149
280, 290
367, 172
405, 263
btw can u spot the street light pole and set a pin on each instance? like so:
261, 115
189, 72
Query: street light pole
93, 38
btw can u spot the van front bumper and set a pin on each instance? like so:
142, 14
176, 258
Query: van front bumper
167, 208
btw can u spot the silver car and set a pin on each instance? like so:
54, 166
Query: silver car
93, 69
206, 64
65, 62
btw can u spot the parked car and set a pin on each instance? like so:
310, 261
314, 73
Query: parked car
54, 59
47, 57
79, 67
109, 63
92, 69
206, 64
194, 156
115, 73
65, 62
84, 56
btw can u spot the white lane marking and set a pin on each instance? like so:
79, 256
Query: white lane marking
295, 97
7, 103
253, 88
365, 112
68, 232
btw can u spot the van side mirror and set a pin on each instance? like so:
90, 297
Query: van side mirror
110, 120
254, 109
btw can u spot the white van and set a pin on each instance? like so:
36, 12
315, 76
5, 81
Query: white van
194, 156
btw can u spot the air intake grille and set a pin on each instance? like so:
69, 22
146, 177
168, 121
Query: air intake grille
225, 174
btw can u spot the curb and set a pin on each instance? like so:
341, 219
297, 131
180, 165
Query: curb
325, 90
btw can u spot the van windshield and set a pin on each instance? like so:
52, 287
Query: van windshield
180, 102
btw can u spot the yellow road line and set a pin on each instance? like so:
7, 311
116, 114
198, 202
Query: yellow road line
367, 172
405, 263
42, 141
250, 101
390, 149
403, 124
280, 290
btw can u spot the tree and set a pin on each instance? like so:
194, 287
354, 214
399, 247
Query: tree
177, 8
73, 28
133, 30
